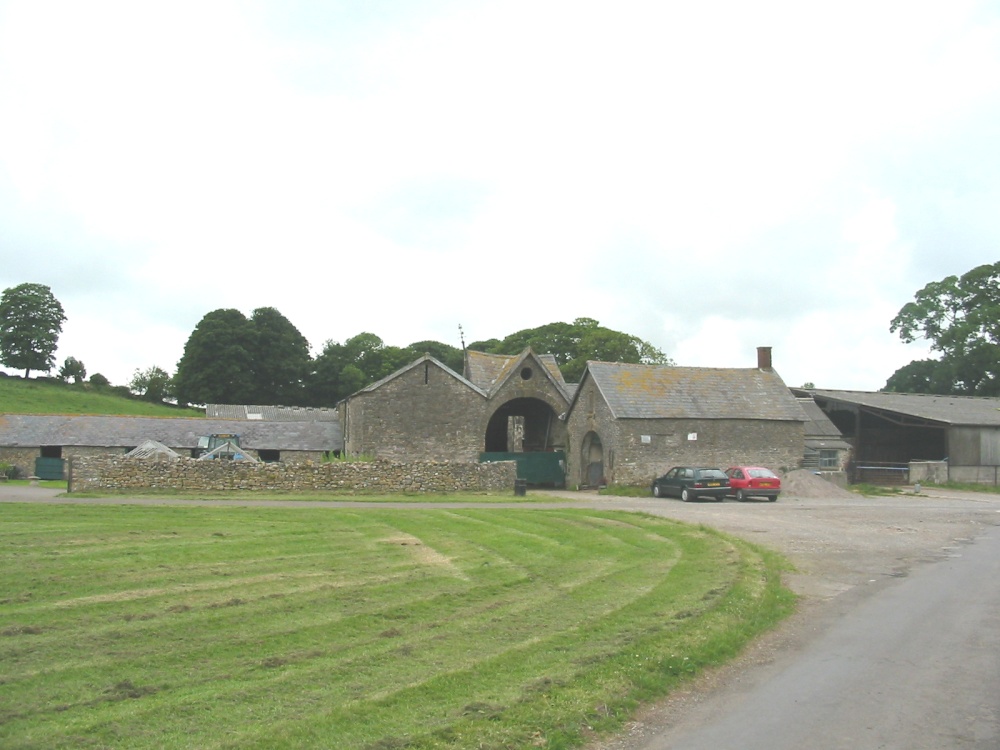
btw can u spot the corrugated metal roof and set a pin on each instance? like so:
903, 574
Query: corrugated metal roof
819, 424
33, 430
666, 392
270, 413
969, 411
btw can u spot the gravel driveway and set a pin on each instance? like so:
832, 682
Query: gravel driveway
845, 548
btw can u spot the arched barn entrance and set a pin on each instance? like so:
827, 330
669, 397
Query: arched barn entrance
592, 460
528, 431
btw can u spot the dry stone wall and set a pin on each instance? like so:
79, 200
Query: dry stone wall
101, 474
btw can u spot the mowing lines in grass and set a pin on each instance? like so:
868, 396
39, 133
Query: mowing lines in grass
248, 627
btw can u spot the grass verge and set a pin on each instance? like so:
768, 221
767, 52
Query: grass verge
966, 487
319, 497
160, 627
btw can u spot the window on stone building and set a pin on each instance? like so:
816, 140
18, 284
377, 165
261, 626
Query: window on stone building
526, 373
269, 456
828, 459
51, 451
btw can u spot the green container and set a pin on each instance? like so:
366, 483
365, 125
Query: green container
50, 468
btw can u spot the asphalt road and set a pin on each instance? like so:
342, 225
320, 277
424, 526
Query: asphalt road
916, 667
896, 644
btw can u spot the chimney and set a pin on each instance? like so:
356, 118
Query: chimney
763, 358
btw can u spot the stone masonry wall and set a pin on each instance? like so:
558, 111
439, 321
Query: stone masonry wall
638, 450
423, 414
22, 458
96, 474
721, 443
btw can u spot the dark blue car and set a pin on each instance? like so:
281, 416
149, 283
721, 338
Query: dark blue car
690, 482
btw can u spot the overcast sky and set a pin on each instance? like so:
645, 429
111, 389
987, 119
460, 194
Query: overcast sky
708, 176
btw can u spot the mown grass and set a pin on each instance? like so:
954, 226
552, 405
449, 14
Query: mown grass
318, 496
20, 396
159, 627
626, 490
877, 490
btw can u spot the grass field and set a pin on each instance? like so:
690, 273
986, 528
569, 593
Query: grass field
158, 627
32, 396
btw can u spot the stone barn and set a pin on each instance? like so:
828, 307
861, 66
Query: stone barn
42, 443
501, 407
630, 423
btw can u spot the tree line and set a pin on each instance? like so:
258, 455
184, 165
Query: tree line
265, 359
231, 358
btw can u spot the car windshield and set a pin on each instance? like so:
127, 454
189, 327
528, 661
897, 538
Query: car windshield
762, 473
711, 474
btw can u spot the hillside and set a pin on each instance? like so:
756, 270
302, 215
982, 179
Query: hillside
19, 396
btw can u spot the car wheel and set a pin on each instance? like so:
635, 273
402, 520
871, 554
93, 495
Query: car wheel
740, 496
773, 498
686, 495
657, 492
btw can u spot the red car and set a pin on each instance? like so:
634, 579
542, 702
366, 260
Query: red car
753, 481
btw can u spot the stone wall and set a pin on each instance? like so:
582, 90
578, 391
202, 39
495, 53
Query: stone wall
22, 458
710, 442
424, 413
99, 474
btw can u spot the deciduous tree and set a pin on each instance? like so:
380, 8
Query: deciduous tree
217, 364
31, 320
573, 344
960, 317
281, 359
73, 369
152, 384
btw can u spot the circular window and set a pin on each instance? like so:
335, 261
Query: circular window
526, 373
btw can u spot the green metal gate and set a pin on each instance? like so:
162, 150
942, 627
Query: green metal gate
49, 468
537, 468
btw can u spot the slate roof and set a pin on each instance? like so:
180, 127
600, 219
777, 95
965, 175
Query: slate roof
33, 430
666, 392
426, 358
966, 411
489, 371
270, 413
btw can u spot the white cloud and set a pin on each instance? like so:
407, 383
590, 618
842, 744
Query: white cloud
677, 171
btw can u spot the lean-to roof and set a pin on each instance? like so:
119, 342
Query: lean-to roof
968, 411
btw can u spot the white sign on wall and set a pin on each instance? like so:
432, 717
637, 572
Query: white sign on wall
692, 436
646, 439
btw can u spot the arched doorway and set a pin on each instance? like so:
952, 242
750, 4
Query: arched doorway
523, 425
592, 460
527, 430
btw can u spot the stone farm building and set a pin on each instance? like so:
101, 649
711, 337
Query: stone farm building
40, 444
623, 423
630, 423
502, 408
